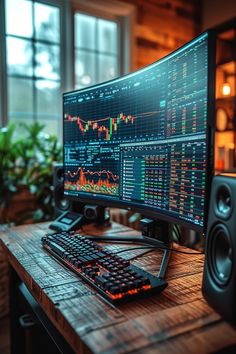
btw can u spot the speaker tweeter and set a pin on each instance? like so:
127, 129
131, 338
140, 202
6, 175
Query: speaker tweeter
223, 202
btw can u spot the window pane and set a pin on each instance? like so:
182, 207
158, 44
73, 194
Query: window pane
47, 22
85, 31
51, 126
19, 17
84, 68
48, 97
20, 97
107, 36
19, 56
107, 67
47, 61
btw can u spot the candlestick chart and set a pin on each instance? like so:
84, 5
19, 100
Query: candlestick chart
107, 127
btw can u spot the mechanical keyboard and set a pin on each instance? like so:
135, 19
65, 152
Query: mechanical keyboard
115, 278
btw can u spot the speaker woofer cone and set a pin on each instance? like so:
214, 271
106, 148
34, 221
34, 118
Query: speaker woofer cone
64, 204
60, 175
220, 247
61, 202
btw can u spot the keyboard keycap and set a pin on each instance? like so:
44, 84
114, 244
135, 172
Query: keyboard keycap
114, 290
57, 248
101, 281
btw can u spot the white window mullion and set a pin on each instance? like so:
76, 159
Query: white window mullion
3, 68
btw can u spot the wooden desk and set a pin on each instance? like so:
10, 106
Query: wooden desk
176, 321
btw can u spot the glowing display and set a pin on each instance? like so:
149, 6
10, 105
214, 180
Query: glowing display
92, 181
141, 140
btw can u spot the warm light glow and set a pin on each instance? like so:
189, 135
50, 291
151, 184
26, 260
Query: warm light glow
231, 146
226, 89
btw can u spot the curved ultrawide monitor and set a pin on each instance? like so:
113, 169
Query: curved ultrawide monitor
143, 141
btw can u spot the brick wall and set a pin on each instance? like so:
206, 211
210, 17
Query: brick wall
162, 26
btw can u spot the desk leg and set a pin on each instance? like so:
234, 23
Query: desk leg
16, 332
42, 335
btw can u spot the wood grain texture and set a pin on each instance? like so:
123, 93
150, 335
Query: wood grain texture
163, 26
176, 321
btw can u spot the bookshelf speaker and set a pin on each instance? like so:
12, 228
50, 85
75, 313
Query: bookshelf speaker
61, 204
219, 276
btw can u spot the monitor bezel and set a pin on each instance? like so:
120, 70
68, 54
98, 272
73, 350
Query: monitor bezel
148, 210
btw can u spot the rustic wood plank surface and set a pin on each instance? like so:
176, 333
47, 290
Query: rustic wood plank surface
176, 321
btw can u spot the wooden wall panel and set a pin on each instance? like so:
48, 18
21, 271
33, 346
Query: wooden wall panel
162, 26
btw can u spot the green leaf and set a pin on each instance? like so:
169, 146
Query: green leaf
28, 161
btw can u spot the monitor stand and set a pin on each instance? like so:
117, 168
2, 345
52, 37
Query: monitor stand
161, 237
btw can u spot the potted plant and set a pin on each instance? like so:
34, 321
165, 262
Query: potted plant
26, 167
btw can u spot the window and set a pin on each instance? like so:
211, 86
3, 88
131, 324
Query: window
96, 50
52, 46
33, 62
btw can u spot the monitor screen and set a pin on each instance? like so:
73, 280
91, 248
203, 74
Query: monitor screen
141, 141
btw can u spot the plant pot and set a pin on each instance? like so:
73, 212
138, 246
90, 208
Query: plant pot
17, 209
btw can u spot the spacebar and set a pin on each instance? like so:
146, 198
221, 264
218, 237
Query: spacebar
56, 248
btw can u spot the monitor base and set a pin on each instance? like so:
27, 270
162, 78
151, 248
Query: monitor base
164, 243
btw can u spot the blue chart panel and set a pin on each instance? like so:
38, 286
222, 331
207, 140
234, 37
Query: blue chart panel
141, 138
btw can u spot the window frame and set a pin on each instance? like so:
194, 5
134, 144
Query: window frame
122, 13
65, 80
126, 13
96, 51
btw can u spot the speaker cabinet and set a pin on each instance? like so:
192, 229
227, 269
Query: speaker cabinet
98, 214
219, 276
61, 204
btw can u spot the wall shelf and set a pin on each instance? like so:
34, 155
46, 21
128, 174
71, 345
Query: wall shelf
225, 136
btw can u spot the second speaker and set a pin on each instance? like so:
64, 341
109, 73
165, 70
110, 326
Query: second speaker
219, 277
